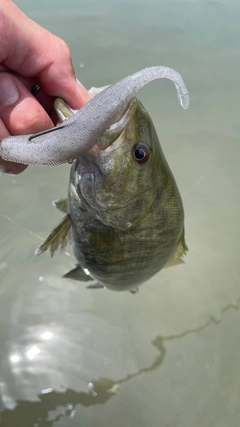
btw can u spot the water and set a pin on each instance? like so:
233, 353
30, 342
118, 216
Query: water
168, 356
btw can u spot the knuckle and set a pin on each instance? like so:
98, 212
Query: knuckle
63, 47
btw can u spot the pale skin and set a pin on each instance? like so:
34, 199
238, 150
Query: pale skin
31, 55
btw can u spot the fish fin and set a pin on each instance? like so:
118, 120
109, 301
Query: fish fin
134, 290
58, 239
61, 205
78, 273
180, 251
97, 285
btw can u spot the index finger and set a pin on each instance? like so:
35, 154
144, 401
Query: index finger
34, 52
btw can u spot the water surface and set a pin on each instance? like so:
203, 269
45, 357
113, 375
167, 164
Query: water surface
168, 356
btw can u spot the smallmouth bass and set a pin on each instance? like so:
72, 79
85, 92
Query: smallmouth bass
124, 213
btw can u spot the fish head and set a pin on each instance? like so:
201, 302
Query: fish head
118, 184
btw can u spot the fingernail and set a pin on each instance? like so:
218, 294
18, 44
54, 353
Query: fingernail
8, 90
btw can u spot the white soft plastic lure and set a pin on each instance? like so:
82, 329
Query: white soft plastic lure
79, 133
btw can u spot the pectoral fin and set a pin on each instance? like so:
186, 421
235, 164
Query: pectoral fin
61, 205
180, 251
58, 239
107, 246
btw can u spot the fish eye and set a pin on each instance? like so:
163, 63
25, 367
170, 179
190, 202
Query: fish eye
141, 154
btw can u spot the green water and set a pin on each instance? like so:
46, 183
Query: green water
168, 356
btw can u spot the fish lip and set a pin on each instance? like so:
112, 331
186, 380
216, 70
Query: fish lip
87, 164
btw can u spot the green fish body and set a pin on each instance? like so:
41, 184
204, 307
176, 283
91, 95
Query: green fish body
124, 212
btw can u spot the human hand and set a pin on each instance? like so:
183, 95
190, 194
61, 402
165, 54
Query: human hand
31, 55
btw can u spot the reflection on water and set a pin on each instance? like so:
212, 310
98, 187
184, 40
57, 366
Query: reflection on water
99, 391
79, 357
38, 412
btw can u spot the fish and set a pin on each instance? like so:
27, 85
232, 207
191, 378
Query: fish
85, 129
124, 214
